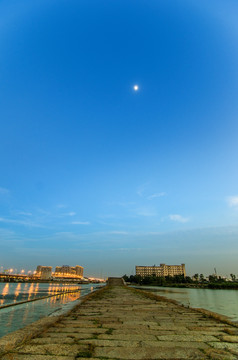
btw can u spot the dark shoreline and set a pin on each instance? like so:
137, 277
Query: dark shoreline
193, 286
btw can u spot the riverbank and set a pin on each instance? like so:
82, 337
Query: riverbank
181, 281
215, 286
118, 322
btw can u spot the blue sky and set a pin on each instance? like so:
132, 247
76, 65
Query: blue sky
97, 174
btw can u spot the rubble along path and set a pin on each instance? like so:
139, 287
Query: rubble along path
118, 322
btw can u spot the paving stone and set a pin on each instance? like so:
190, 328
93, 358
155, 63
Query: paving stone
76, 335
127, 337
138, 323
169, 327
225, 346
75, 329
36, 357
112, 343
229, 338
178, 344
187, 337
215, 354
53, 340
139, 332
231, 331
149, 353
124, 326
205, 328
52, 349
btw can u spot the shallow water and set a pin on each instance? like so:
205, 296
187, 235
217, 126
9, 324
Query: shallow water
16, 317
224, 302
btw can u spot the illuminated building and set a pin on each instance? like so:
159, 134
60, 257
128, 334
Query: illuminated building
64, 271
69, 271
79, 270
44, 272
162, 270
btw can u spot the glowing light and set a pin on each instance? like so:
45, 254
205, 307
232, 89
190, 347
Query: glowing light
136, 87
5, 290
17, 290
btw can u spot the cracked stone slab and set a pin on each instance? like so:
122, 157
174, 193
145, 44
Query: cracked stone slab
127, 337
215, 354
229, 338
187, 337
53, 340
13, 356
149, 353
52, 349
112, 343
226, 346
206, 328
177, 344
76, 335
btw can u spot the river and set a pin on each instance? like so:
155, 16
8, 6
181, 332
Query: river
224, 302
15, 317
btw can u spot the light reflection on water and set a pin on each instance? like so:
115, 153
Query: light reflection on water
12, 292
16, 317
224, 302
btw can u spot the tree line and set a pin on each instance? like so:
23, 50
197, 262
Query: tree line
198, 280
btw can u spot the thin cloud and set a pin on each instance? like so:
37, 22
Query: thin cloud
232, 201
72, 213
178, 218
147, 212
118, 232
24, 213
141, 189
156, 195
126, 204
20, 222
44, 212
107, 216
61, 206
4, 190
80, 222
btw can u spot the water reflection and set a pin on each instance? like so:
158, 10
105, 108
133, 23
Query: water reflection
17, 291
18, 316
224, 302
30, 291
13, 293
5, 290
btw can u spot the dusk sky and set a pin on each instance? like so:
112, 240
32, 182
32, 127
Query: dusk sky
97, 174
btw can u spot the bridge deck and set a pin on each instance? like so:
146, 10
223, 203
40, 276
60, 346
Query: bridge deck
122, 323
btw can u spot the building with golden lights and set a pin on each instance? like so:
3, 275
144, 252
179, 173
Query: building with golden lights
44, 272
162, 270
66, 270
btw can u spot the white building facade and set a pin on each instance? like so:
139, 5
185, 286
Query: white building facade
162, 270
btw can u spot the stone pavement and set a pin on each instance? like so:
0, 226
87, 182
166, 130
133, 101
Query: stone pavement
122, 323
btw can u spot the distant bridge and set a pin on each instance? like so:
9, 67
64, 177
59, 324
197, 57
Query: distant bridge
14, 276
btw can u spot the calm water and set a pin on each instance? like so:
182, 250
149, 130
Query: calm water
16, 317
223, 302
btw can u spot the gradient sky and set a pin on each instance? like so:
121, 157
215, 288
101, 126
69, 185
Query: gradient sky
96, 174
